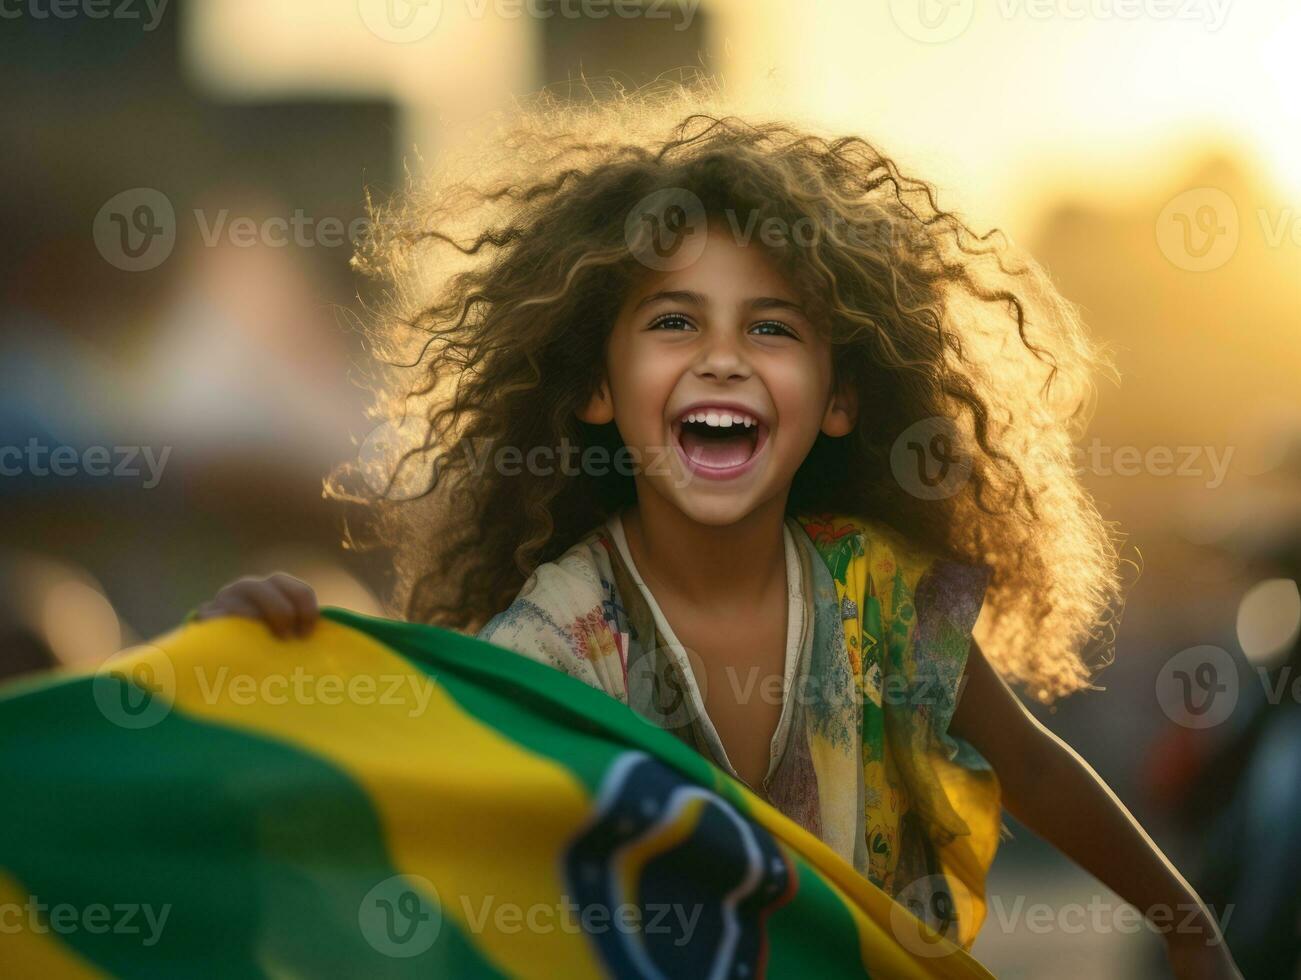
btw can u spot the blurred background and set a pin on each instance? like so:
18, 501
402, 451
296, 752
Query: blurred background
178, 371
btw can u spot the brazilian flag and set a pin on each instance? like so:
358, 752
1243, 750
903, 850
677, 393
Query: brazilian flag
388, 800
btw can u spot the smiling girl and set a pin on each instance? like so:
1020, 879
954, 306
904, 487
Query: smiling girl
850, 422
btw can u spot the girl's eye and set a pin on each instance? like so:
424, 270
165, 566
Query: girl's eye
677, 322
670, 321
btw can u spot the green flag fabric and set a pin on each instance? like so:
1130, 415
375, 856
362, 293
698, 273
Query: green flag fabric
388, 800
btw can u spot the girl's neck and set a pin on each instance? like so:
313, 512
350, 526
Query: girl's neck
706, 564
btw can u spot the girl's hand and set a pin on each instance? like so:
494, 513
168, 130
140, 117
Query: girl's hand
286, 604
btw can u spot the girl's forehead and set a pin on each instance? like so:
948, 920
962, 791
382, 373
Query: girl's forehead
723, 267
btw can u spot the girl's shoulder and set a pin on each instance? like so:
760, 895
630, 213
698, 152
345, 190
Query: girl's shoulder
839, 537
559, 616
827, 529
879, 556
560, 590
911, 610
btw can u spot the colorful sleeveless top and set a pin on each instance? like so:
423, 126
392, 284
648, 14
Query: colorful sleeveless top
862, 757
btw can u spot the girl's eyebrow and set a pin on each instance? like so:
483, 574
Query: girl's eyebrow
689, 296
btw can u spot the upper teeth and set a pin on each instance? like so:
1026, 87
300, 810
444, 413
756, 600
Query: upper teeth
721, 419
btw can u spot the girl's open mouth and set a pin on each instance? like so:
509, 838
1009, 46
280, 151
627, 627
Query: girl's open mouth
719, 443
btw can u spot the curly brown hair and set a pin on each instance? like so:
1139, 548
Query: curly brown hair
501, 274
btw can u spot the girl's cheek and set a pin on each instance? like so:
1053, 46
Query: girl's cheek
796, 395
647, 385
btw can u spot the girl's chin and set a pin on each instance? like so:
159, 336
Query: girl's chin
715, 507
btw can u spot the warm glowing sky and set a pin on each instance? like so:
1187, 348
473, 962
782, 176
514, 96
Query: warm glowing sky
1101, 96
1121, 98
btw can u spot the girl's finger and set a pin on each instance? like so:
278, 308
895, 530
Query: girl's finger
226, 605
301, 596
272, 607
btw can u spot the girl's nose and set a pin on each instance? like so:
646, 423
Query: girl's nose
721, 358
